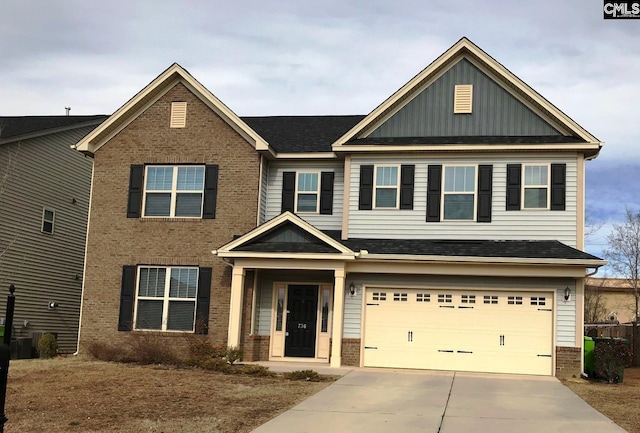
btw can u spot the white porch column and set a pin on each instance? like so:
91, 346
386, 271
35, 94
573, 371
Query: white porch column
338, 316
235, 307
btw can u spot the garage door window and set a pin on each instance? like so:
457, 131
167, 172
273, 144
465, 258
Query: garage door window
491, 299
423, 297
380, 296
400, 297
468, 299
538, 300
514, 300
444, 298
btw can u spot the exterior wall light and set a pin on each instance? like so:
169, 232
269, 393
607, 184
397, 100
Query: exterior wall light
567, 294
352, 289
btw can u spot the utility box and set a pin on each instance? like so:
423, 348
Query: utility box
589, 356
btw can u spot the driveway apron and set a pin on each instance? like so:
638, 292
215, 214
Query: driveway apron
399, 401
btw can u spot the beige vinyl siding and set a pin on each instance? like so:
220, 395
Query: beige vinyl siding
274, 191
565, 320
352, 312
512, 225
46, 173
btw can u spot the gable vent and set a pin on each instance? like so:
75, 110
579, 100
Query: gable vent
178, 114
463, 98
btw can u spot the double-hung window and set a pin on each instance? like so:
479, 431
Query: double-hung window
48, 217
307, 192
174, 191
536, 187
166, 298
459, 201
386, 185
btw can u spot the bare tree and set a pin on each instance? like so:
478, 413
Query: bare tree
595, 310
8, 162
624, 258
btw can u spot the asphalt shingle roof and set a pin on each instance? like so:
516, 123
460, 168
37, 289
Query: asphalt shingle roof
13, 126
299, 134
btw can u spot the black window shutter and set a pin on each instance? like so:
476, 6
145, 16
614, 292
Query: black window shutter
407, 174
434, 184
514, 179
134, 202
288, 191
365, 201
127, 291
210, 191
485, 182
558, 186
203, 300
326, 193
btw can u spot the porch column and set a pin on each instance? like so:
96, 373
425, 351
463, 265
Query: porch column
235, 306
338, 315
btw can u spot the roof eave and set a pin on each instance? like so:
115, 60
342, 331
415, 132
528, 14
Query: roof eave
587, 263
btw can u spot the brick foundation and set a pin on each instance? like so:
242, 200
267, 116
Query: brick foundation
351, 352
256, 348
568, 362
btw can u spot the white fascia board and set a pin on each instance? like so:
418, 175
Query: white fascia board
591, 263
523, 147
308, 155
301, 256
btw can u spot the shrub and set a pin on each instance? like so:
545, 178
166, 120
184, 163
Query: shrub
233, 354
256, 370
152, 348
611, 357
108, 352
309, 375
47, 346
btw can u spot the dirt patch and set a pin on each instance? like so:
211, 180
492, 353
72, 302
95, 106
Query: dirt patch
618, 402
75, 395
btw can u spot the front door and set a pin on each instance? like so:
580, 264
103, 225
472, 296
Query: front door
302, 315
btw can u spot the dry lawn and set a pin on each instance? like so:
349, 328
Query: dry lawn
619, 402
74, 395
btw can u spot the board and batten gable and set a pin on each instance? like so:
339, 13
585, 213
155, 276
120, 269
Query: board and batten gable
274, 191
496, 112
505, 225
45, 173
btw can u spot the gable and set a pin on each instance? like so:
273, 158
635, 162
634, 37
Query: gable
287, 237
495, 111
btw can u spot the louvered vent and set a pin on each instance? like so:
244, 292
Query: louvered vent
463, 98
178, 114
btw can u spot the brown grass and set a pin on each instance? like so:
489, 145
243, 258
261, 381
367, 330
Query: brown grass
75, 395
619, 402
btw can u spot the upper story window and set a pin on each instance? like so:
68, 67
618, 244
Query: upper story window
307, 192
536, 187
166, 298
459, 201
386, 187
48, 218
174, 191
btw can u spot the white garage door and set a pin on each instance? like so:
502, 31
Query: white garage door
484, 331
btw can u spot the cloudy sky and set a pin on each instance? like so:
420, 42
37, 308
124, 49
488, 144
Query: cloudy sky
330, 57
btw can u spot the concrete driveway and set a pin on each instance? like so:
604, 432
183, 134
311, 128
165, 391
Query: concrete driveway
383, 401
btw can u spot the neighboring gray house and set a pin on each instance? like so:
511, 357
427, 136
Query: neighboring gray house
44, 199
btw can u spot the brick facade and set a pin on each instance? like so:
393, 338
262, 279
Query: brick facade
115, 240
568, 362
351, 352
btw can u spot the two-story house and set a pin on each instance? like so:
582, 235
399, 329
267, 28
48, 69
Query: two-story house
44, 201
443, 230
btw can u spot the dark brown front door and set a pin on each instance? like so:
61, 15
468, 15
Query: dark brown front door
302, 307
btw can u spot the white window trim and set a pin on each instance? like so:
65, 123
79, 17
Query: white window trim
375, 187
166, 298
298, 173
475, 192
547, 186
173, 191
53, 221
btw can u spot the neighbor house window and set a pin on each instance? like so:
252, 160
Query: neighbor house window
536, 187
166, 298
386, 187
307, 192
459, 192
176, 191
48, 217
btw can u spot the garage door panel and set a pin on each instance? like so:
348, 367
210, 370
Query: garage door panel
490, 331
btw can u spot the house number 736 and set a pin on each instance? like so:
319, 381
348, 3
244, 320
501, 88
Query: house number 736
302, 326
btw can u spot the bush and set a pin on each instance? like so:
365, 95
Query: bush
611, 357
152, 348
256, 370
233, 354
309, 375
47, 346
108, 352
